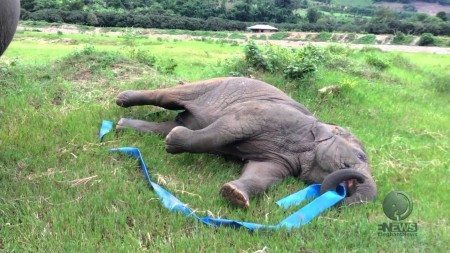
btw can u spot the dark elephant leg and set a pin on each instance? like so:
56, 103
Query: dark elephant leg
163, 98
171, 98
162, 128
255, 179
207, 140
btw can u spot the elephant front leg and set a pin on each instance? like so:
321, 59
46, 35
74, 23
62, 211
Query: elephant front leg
255, 179
161, 128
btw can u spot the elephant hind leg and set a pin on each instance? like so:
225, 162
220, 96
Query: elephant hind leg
162, 98
176, 98
162, 128
255, 179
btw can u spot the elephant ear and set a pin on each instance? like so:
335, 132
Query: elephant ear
321, 132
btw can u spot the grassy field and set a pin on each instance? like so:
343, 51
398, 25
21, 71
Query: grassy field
70, 34
60, 190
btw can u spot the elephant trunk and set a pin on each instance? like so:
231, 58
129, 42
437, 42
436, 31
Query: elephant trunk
9, 17
366, 189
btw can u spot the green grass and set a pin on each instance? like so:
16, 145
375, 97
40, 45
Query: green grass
324, 36
196, 64
279, 36
53, 97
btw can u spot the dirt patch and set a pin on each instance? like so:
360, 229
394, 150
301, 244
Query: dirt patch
65, 28
129, 72
85, 77
97, 76
388, 48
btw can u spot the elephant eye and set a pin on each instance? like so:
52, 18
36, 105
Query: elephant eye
362, 157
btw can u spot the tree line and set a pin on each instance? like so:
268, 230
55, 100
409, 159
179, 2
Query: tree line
219, 15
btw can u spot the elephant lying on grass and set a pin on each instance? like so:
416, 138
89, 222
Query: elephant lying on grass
256, 122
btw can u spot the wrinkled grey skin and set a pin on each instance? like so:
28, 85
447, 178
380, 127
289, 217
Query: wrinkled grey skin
9, 17
256, 122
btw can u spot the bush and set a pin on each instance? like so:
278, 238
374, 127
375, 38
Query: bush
399, 38
402, 39
50, 15
366, 39
75, 17
291, 63
254, 57
299, 70
167, 66
143, 56
324, 36
427, 39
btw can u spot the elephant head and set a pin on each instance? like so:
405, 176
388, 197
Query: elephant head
341, 158
9, 17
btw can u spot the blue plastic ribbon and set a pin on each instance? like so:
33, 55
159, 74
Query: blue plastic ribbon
105, 128
299, 218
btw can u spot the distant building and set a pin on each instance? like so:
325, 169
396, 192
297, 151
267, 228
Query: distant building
262, 28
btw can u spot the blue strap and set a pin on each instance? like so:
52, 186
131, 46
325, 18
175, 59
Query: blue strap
299, 218
105, 128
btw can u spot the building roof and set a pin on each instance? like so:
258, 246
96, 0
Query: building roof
262, 27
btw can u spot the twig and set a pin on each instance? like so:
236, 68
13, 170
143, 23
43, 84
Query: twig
80, 181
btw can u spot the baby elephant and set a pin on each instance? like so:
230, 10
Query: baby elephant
256, 122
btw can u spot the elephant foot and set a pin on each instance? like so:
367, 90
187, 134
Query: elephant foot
234, 195
128, 98
121, 125
177, 139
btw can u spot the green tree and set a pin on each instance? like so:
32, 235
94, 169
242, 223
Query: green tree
72, 5
442, 15
312, 15
283, 3
241, 11
91, 19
